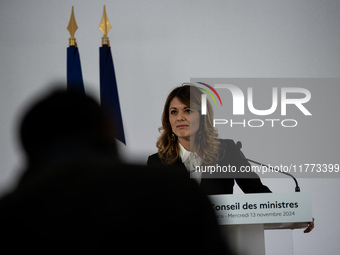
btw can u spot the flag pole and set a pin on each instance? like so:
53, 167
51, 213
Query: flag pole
72, 28
108, 85
105, 27
73, 69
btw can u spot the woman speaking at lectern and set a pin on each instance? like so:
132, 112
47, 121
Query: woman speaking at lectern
189, 141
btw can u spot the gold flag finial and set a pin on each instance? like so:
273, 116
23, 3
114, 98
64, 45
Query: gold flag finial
72, 28
105, 27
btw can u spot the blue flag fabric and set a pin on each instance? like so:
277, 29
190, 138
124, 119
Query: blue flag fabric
108, 90
74, 74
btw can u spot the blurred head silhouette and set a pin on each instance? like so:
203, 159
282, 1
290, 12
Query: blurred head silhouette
64, 120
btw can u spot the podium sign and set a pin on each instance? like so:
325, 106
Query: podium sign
244, 217
274, 210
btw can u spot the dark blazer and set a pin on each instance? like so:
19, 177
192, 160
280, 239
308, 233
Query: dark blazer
213, 184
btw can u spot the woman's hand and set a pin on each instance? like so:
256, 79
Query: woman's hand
310, 227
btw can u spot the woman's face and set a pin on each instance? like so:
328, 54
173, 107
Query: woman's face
183, 120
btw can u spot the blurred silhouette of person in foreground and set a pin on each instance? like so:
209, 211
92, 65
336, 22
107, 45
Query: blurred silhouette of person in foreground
75, 195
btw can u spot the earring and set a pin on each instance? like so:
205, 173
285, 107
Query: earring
173, 137
199, 135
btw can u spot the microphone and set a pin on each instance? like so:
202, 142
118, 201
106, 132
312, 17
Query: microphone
297, 188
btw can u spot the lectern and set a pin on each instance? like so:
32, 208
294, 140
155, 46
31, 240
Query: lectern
244, 217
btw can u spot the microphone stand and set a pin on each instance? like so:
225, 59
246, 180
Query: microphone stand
297, 188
